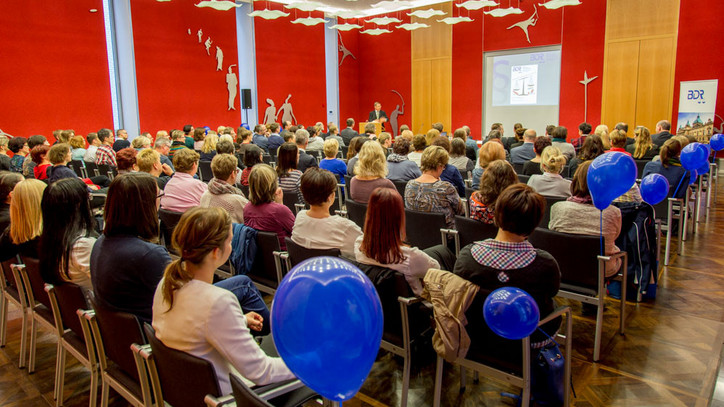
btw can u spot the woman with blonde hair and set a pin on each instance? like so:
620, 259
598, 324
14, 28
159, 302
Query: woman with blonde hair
26, 221
208, 150
429, 193
489, 152
192, 315
265, 210
140, 142
551, 183
602, 131
370, 172
330, 162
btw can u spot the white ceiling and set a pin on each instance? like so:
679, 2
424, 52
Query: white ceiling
362, 8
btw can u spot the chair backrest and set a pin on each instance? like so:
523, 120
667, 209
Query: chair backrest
518, 167
245, 190
118, 331
550, 201
423, 228
264, 267
298, 254
169, 220
185, 379
291, 198
266, 158
8, 272
471, 230
577, 255
469, 192
79, 167
70, 299
92, 169
107, 170
205, 171
523, 178
347, 180
357, 212
640, 164
344, 151
400, 185
244, 396
37, 285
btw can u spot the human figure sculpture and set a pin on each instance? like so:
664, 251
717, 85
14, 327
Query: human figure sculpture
219, 59
286, 111
270, 114
232, 83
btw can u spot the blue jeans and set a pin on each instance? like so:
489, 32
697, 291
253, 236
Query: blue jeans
249, 299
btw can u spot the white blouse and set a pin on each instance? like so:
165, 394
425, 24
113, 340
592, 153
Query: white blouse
334, 232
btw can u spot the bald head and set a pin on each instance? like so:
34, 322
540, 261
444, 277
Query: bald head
529, 136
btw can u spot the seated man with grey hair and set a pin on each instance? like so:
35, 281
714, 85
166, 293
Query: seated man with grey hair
163, 146
301, 138
524, 152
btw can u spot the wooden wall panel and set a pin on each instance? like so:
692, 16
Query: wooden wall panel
641, 18
655, 81
620, 77
432, 73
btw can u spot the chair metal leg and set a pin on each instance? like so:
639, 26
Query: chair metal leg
405, 381
3, 319
104, 392
33, 340
438, 382
624, 285
669, 229
60, 374
94, 386
23, 340
599, 326
463, 379
684, 213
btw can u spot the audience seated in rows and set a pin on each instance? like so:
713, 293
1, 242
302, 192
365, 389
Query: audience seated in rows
26, 221
8, 180
592, 148
334, 134
265, 210
259, 138
287, 172
330, 162
78, 150
551, 183
578, 216
509, 260
149, 161
429, 193
253, 156
221, 192
121, 140
382, 241
39, 155
450, 173
20, 149
602, 131
642, 148
126, 160
496, 178
141, 142
4, 157
316, 228
670, 167
67, 241
370, 172
559, 141
315, 142
399, 166
105, 153
29, 165
183, 191
532, 167
419, 143
458, 159
488, 153
275, 140
301, 139
192, 315
526, 151
178, 142
354, 148
199, 134
208, 149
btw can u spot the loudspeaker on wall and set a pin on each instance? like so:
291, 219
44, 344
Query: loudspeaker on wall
246, 98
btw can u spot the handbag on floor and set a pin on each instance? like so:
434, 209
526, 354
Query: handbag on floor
547, 374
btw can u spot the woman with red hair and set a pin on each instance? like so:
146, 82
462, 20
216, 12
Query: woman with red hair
382, 241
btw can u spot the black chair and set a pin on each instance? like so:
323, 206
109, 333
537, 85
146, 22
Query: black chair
107, 170
297, 254
347, 179
73, 334
640, 164
169, 220
266, 272
523, 178
400, 185
79, 167
169, 370
38, 302
267, 159
468, 231
566, 173
550, 201
13, 291
291, 201
91, 169
356, 212
114, 332
205, 171
423, 229
518, 168
344, 149
290, 393
583, 271
245, 190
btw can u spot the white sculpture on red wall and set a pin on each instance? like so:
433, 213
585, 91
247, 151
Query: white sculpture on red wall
232, 84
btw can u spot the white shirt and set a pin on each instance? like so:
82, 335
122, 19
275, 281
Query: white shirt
415, 157
207, 322
79, 264
234, 204
414, 267
90, 154
334, 232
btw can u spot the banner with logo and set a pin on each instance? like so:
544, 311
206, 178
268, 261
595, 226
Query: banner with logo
697, 104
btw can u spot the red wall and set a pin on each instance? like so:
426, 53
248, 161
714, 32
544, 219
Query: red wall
467, 74
54, 71
177, 81
383, 64
699, 50
290, 60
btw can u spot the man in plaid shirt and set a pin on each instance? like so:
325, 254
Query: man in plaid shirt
105, 153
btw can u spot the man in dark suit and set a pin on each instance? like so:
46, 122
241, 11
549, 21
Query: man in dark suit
301, 138
662, 133
121, 140
348, 134
378, 115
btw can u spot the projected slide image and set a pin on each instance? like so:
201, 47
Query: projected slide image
524, 84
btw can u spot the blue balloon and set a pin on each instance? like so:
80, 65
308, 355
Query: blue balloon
610, 176
703, 169
327, 322
717, 142
693, 156
654, 188
511, 313
692, 176
246, 126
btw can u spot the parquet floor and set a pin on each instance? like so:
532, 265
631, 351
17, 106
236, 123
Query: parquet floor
670, 355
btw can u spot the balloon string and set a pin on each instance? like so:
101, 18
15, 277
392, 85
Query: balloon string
677, 187
601, 235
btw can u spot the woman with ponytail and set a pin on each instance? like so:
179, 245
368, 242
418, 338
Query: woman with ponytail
192, 315
551, 183
670, 167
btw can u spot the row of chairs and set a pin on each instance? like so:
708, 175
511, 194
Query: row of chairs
87, 169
